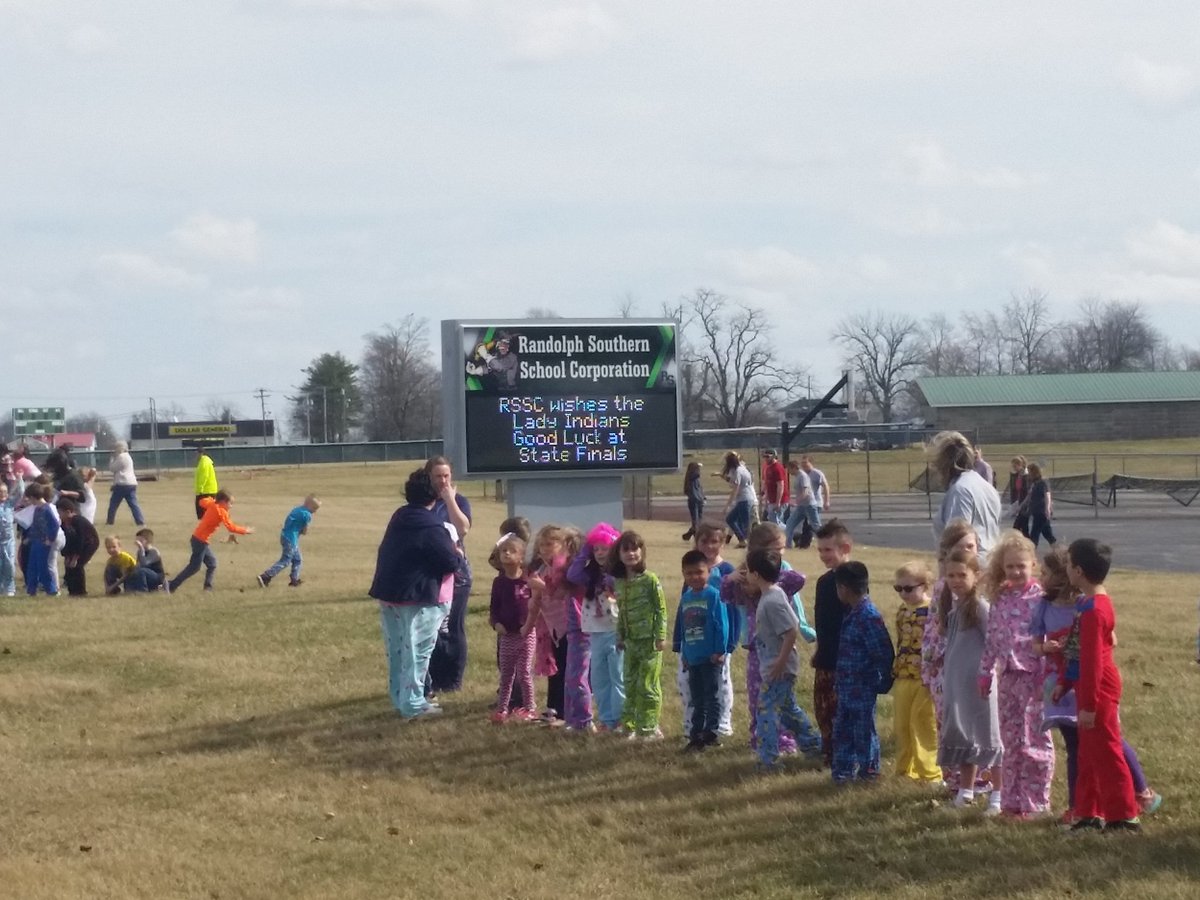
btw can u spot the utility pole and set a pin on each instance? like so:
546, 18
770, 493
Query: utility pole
154, 436
343, 414
325, 412
262, 394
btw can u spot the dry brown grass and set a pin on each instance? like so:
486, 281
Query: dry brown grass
240, 745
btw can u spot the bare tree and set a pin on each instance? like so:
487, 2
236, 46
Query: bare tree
400, 383
1030, 330
886, 350
94, 423
1111, 336
736, 372
219, 410
626, 305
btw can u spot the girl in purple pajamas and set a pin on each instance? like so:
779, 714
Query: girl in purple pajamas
1051, 628
1009, 654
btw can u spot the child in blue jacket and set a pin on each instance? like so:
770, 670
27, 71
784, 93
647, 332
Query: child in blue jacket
702, 640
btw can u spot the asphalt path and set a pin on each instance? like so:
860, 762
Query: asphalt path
1146, 531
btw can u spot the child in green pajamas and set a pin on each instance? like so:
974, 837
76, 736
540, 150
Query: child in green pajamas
641, 633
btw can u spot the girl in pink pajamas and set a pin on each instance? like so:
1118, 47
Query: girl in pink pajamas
1009, 653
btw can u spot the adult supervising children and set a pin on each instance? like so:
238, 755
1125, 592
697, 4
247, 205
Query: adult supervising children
215, 513
206, 479
294, 525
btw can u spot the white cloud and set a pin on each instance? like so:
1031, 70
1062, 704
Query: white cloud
212, 237
547, 30
771, 268
1158, 84
923, 221
1167, 248
380, 7
137, 270
258, 304
87, 40
927, 161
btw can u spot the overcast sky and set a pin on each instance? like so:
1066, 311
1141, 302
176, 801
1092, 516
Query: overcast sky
197, 198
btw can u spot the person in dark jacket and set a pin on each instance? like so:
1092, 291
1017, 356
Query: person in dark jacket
81, 545
413, 570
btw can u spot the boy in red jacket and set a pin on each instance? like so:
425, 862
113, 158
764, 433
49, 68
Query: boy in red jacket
1104, 795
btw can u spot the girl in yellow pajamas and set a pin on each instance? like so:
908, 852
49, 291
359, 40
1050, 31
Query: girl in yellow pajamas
915, 728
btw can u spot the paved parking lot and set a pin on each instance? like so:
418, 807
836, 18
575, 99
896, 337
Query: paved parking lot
1146, 531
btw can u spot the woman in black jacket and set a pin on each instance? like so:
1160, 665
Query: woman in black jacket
412, 582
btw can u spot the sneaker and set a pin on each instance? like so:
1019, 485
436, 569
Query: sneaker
655, 735
208, 587
1149, 800
1130, 825
263, 580
499, 717
963, 800
525, 716
1067, 819
695, 745
600, 728
296, 582
1091, 823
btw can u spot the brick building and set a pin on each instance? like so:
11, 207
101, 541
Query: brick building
1087, 407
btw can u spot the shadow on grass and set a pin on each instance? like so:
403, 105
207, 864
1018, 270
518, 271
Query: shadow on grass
680, 813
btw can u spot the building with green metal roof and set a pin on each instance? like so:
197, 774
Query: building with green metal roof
1077, 407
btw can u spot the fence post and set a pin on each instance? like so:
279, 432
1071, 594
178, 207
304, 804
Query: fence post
870, 511
1095, 483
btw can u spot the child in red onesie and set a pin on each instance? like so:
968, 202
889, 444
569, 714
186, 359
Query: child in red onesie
1104, 796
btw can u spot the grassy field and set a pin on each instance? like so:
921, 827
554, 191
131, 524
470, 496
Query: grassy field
240, 744
892, 471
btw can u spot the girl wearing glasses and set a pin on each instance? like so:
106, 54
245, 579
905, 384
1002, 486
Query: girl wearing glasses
915, 724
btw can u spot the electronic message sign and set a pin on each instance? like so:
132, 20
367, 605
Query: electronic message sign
561, 396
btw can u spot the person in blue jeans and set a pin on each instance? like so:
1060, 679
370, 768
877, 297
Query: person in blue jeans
294, 525
701, 639
742, 497
415, 557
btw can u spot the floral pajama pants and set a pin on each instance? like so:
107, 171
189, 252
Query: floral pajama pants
787, 743
1028, 765
777, 706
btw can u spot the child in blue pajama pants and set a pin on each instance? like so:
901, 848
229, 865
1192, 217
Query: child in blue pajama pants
864, 670
598, 625
776, 630
8, 542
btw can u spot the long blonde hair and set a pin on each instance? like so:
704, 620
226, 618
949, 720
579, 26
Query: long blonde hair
950, 454
1012, 541
970, 606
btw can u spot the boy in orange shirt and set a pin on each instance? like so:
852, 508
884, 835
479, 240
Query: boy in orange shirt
215, 512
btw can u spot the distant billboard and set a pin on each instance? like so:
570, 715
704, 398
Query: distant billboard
560, 396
